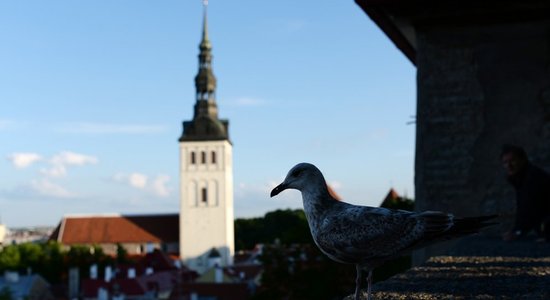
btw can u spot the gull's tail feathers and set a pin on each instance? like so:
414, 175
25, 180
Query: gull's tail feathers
435, 222
465, 226
440, 227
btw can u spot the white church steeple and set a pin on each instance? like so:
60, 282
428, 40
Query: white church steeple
206, 173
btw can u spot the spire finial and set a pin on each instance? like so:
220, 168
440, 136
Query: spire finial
205, 25
205, 80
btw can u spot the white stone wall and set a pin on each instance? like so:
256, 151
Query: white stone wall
206, 202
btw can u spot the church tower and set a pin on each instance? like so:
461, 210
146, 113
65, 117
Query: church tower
206, 174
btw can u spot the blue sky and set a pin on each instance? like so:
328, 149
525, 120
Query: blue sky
93, 94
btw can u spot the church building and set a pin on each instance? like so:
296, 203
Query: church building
206, 174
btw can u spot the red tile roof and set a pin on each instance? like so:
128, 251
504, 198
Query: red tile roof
391, 196
117, 229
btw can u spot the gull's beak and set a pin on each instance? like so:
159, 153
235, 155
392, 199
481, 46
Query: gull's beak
281, 187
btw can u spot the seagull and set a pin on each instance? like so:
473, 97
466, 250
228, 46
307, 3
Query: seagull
368, 236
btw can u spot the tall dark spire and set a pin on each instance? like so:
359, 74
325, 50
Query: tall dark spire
205, 124
205, 81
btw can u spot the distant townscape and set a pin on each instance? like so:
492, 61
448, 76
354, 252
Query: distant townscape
482, 82
200, 252
10, 236
137, 257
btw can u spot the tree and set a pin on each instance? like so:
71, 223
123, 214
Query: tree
53, 267
302, 272
399, 202
10, 258
51, 261
31, 256
83, 256
286, 226
121, 254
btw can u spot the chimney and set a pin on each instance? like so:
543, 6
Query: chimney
131, 273
218, 275
149, 248
93, 271
108, 273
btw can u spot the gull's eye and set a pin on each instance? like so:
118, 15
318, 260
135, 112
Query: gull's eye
296, 173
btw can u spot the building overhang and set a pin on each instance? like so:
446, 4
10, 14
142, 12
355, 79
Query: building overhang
399, 19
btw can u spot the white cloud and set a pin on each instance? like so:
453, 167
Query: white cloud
137, 180
46, 188
56, 166
59, 162
23, 160
159, 186
105, 128
71, 158
54, 171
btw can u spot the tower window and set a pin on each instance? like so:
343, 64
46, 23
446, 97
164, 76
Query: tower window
204, 195
203, 157
213, 157
193, 158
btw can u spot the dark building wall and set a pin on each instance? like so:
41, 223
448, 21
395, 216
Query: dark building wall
478, 87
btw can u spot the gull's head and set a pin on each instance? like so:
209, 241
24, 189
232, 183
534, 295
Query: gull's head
299, 177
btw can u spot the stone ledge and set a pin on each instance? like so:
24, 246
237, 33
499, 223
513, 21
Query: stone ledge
480, 268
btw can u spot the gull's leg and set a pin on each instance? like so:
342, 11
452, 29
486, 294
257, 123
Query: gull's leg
358, 281
369, 283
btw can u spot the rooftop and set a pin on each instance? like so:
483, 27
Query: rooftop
117, 229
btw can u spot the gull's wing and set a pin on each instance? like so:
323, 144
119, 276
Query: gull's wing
355, 234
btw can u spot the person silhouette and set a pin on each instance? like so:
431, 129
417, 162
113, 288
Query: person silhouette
532, 187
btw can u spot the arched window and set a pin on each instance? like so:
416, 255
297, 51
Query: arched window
213, 157
203, 157
193, 158
204, 195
